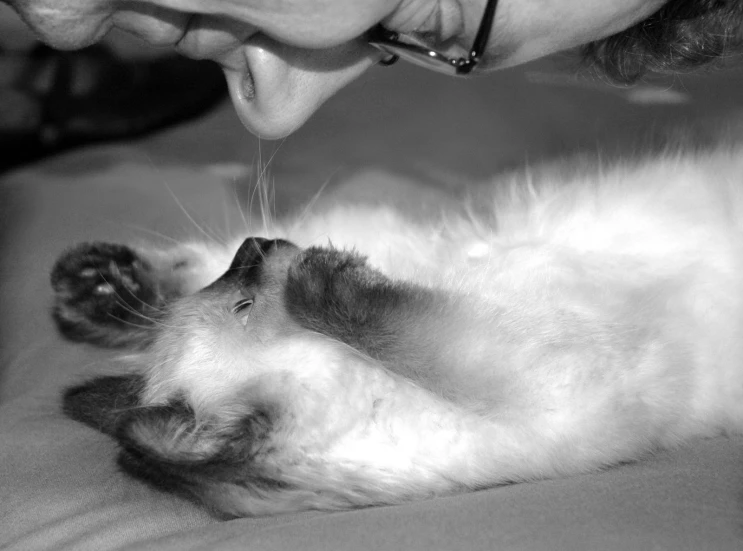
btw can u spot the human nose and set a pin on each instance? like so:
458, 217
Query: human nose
280, 86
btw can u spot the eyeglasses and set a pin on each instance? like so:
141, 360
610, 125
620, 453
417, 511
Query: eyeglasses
398, 46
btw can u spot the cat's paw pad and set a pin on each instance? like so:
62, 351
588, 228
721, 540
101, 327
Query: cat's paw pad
103, 292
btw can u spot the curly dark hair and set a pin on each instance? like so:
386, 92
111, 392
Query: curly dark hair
681, 36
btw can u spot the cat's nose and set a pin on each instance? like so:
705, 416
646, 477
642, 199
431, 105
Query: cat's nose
252, 259
253, 253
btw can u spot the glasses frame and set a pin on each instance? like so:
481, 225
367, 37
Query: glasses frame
391, 43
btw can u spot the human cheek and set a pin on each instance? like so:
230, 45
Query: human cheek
158, 26
216, 38
529, 29
281, 86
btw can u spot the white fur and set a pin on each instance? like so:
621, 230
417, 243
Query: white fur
598, 316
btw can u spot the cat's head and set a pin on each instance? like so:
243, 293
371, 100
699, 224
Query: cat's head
252, 373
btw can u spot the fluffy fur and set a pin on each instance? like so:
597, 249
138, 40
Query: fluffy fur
558, 322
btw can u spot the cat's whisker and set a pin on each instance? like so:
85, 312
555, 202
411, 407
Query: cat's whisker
307, 210
226, 221
262, 174
134, 312
240, 210
143, 303
118, 295
258, 191
121, 302
139, 228
222, 240
178, 202
131, 323
266, 198
264, 203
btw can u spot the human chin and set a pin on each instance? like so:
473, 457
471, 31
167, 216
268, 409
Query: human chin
265, 114
280, 87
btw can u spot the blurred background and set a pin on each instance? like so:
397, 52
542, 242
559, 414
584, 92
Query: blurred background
170, 110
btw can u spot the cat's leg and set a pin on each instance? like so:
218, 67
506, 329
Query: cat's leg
336, 293
114, 296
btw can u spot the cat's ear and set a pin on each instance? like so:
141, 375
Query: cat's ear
100, 402
168, 447
169, 433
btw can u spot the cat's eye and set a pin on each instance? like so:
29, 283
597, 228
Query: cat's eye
241, 305
242, 310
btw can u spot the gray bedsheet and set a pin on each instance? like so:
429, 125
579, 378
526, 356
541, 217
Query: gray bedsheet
59, 487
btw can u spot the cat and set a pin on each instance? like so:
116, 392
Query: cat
555, 322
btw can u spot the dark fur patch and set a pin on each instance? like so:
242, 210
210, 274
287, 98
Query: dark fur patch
101, 402
251, 254
337, 294
247, 265
105, 294
163, 446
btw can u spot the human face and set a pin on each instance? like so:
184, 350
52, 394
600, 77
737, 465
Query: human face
284, 58
530, 29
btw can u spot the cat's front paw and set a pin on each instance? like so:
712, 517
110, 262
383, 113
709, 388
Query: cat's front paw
331, 279
336, 293
105, 294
